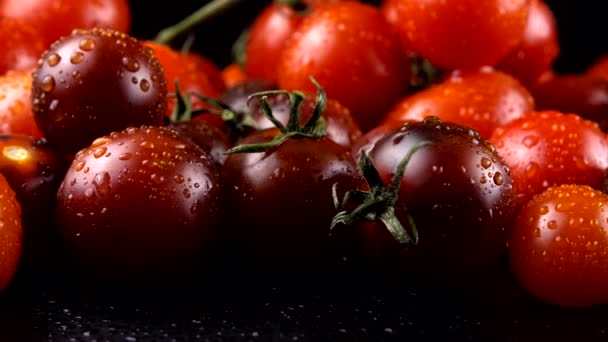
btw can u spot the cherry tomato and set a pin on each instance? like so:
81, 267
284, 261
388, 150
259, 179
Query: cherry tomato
94, 82
550, 148
582, 94
482, 100
34, 169
559, 249
11, 233
56, 18
140, 205
283, 198
194, 72
538, 49
21, 45
465, 34
269, 32
16, 115
367, 141
458, 192
373, 76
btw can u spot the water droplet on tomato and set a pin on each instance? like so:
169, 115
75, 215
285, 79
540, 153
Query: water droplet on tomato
530, 141
77, 57
194, 208
498, 178
125, 156
147, 145
79, 166
158, 179
186, 193
48, 83
100, 151
144, 85
130, 64
485, 163
86, 44
53, 59
552, 224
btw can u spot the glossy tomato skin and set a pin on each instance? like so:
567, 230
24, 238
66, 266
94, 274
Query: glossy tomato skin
54, 18
233, 75
482, 100
459, 34
194, 72
550, 148
16, 104
582, 94
34, 169
210, 138
20, 43
457, 190
538, 49
284, 202
11, 234
140, 206
369, 81
559, 248
341, 126
94, 82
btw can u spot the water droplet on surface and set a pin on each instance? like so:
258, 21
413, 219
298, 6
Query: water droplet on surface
179, 179
552, 224
100, 151
77, 57
125, 156
48, 83
144, 85
86, 44
158, 179
186, 193
53, 59
485, 162
147, 145
130, 64
79, 166
530, 141
498, 179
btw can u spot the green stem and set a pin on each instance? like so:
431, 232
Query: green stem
215, 7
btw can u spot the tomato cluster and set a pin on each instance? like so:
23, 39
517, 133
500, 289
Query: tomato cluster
421, 137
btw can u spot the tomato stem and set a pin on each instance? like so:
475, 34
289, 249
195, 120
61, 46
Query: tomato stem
379, 202
314, 128
215, 7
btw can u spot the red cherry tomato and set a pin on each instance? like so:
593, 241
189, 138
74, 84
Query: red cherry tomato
16, 115
538, 49
350, 49
233, 74
482, 100
56, 18
550, 148
559, 248
464, 34
11, 234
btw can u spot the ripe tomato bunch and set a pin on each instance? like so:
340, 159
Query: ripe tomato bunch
421, 137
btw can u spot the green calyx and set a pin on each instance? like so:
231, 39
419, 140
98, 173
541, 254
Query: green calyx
314, 128
379, 202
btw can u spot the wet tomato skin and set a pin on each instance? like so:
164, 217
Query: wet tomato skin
549, 148
16, 104
459, 193
283, 197
140, 205
482, 100
210, 138
94, 82
559, 249
21, 45
34, 169
11, 234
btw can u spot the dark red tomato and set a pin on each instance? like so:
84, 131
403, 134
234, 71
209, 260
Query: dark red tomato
16, 115
194, 72
20, 43
56, 18
373, 76
140, 205
538, 49
465, 34
599, 68
458, 192
367, 141
341, 127
268, 34
581, 94
550, 148
210, 138
91, 83
482, 100
283, 198
34, 169
11, 234
559, 249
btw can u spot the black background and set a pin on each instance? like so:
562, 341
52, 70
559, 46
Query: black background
230, 306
